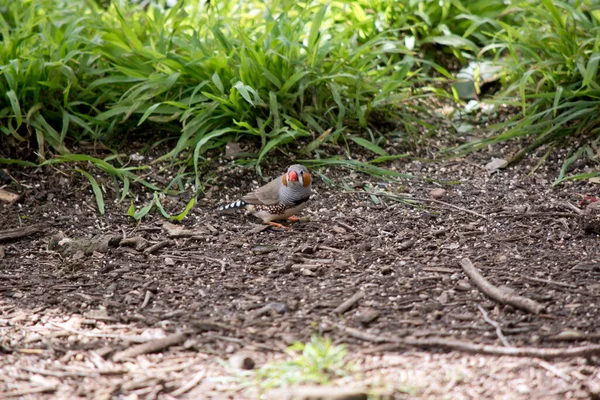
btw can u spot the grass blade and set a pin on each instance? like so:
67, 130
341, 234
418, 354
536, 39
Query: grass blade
95, 188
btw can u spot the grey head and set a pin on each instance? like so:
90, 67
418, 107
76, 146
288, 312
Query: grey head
296, 185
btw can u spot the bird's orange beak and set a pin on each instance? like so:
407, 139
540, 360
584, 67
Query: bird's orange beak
293, 176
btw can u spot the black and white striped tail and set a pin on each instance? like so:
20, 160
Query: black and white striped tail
232, 206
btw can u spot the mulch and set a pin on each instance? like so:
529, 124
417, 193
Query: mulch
106, 307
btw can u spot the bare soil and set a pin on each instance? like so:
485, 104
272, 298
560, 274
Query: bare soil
230, 286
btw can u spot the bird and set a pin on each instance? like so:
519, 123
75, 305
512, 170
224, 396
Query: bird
279, 199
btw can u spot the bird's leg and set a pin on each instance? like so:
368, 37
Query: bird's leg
293, 218
279, 225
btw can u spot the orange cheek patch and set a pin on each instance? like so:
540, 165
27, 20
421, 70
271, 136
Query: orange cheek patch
306, 178
284, 179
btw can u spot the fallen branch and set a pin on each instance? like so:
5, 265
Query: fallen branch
150, 347
457, 345
497, 294
548, 353
17, 233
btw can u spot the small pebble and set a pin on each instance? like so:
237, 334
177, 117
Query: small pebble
437, 193
367, 315
169, 261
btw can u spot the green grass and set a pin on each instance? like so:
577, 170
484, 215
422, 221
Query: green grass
100, 72
273, 75
551, 58
276, 72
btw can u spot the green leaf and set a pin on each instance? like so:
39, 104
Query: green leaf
567, 163
131, 210
375, 199
149, 111
125, 190
293, 80
144, 211
313, 37
591, 70
368, 145
578, 177
96, 189
160, 207
454, 41
276, 141
16, 108
549, 4
358, 166
190, 205
384, 159
244, 90
217, 81
23, 163
312, 146
274, 109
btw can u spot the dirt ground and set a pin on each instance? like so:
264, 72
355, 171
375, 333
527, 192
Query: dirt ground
221, 285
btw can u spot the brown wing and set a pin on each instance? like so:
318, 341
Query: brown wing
267, 194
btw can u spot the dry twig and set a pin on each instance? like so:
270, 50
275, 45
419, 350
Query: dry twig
548, 214
17, 233
24, 392
346, 305
465, 210
467, 347
499, 295
149, 347
425, 199
555, 371
495, 325
155, 247
550, 282
190, 385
